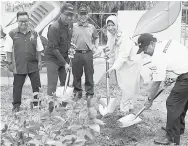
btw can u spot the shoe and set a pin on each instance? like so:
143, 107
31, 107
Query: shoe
88, 99
77, 96
51, 106
164, 128
64, 104
16, 108
36, 101
89, 96
163, 140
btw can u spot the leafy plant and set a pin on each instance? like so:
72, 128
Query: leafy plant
75, 125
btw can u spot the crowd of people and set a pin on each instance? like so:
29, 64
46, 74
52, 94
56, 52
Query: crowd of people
24, 48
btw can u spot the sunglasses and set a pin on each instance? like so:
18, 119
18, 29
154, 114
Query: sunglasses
23, 21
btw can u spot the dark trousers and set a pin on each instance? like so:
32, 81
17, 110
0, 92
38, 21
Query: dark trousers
19, 80
53, 72
83, 61
177, 105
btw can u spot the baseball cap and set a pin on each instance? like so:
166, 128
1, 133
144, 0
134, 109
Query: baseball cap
144, 41
67, 7
83, 10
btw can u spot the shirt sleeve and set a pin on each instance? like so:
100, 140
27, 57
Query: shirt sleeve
124, 47
39, 44
158, 68
8, 44
53, 39
95, 33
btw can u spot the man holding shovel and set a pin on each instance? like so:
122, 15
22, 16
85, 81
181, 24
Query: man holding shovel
169, 59
56, 55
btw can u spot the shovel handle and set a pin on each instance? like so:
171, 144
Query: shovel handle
107, 83
140, 112
67, 78
145, 107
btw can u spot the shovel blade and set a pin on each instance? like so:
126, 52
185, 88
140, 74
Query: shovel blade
66, 95
107, 109
129, 120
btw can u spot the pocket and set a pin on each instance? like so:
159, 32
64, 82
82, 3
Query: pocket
34, 42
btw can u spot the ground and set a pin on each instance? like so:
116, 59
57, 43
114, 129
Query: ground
141, 134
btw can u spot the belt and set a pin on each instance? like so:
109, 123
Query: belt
83, 51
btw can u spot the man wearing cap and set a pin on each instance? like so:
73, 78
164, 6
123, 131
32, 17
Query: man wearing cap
23, 47
169, 59
86, 38
59, 39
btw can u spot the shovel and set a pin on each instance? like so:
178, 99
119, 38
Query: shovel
65, 93
109, 101
132, 119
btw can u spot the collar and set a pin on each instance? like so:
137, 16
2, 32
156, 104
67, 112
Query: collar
81, 24
28, 30
61, 23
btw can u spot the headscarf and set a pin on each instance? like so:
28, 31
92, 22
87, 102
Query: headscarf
111, 42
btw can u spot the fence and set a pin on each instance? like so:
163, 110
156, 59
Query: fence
184, 26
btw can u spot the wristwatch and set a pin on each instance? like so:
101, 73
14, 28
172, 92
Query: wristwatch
9, 63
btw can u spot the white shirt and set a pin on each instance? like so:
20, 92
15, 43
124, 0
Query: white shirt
170, 64
9, 44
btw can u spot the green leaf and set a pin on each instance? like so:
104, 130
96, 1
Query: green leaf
95, 127
83, 114
79, 142
61, 109
44, 138
29, 130
47, 122
58, 132
68, 138
8, 138
54, 127
45, 115
93, 101
97, 121
90, 134
36, 142
69, 112
35, 127
5, 128
38, 137
28, 139
74, 127
32, 122
54, 142
92, 112
81, 133
60, 118
26, 130
55, 113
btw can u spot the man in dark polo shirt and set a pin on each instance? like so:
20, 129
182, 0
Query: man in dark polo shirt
56, 55
86, 38
23, 47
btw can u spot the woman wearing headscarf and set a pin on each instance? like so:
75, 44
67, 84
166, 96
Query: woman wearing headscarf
125, 62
